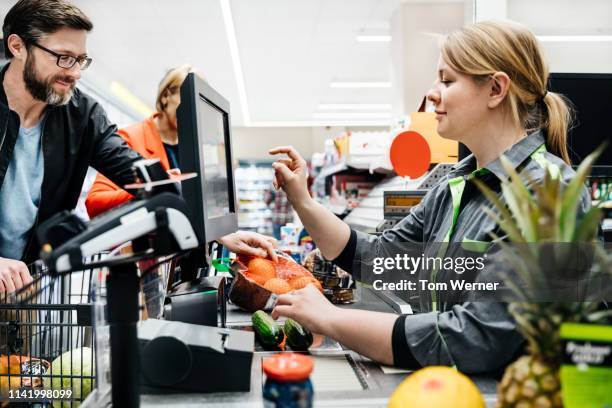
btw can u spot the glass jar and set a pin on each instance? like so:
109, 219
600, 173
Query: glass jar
287, 381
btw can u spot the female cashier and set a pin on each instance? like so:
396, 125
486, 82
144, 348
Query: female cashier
157, 137
490, 95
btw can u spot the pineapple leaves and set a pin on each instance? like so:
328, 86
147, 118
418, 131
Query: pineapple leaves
587, 229
571, 197
505, 217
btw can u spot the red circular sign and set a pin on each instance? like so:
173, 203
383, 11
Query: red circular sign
410, 154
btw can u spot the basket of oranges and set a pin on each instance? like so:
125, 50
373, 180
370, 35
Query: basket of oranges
260, 280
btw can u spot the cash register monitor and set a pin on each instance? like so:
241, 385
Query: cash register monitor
205, 147
590, 95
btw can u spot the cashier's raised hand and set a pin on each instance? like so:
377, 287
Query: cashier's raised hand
13, 275
309, 308
250, 243
291, 174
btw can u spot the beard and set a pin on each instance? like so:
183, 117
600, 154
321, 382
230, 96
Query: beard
42, 89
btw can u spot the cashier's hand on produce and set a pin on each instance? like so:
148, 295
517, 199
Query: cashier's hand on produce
13, 275
250, 243
308, 307
291, 174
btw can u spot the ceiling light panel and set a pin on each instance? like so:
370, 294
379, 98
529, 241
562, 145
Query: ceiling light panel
340, 84
354, 106
351, 115
575, 38
374, 38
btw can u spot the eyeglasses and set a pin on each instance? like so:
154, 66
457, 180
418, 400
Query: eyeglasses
67, 61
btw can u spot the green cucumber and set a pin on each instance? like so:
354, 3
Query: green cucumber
298, 337
269, 333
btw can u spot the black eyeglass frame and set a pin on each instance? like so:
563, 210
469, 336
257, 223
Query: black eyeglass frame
84, 62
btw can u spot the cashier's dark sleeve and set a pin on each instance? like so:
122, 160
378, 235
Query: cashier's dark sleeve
402, 356
345, 259
477, 337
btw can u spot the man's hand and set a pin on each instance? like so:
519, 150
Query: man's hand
14, 275
309, 307
250, 243
291, 174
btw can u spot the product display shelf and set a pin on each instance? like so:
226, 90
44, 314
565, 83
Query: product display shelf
252, 181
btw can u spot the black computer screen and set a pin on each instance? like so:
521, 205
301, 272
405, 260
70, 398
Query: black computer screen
205, 147
591, 96
214, 166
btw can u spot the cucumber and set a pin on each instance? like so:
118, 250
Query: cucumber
298, 337
269, 333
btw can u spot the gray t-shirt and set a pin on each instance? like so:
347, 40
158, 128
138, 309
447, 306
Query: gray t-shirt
20, 192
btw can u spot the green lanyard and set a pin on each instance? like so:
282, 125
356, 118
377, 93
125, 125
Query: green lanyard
457, 186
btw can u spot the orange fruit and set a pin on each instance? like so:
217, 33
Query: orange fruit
262, 267
258, 279
278, 286
299, 283
289, 270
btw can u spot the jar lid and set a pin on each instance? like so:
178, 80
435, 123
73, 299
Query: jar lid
287, 367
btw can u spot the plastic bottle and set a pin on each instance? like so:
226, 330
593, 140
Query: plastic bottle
288, 381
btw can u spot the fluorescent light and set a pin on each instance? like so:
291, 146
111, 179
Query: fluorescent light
126, 96
338, 84
575, 38
354, 106
320, 123
351, 115
230, 31
373, 38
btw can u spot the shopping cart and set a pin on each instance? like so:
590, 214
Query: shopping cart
51, 333
47, 348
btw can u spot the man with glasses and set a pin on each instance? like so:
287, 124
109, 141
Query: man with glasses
50, 132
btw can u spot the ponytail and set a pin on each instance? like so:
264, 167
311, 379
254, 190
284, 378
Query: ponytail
486, 47
557, 117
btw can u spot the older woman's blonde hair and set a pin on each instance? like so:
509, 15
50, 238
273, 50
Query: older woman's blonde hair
483, 48
171, 83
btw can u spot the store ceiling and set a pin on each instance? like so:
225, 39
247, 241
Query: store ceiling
289, 50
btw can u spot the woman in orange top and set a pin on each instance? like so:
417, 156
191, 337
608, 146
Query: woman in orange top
157, 137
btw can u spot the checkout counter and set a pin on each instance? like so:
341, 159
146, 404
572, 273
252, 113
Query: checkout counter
341, 378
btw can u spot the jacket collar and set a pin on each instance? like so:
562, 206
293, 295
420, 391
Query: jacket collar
3, 100
517, 154
152, 144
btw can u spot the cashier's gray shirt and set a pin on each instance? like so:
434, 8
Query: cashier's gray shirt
477, 337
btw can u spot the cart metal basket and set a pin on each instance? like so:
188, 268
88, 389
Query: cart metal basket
47, 348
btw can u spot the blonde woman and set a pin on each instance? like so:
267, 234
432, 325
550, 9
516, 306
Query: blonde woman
157, 137
490, 95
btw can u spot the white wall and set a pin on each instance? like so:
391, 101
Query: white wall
253, 143
415, 50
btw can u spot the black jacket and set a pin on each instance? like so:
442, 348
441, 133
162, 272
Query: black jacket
74, 136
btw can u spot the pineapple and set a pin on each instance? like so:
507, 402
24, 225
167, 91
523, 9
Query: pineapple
539, 219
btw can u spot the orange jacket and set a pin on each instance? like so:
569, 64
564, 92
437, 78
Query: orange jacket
144, 138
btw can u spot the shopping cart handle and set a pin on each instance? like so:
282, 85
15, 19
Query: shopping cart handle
165, 214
